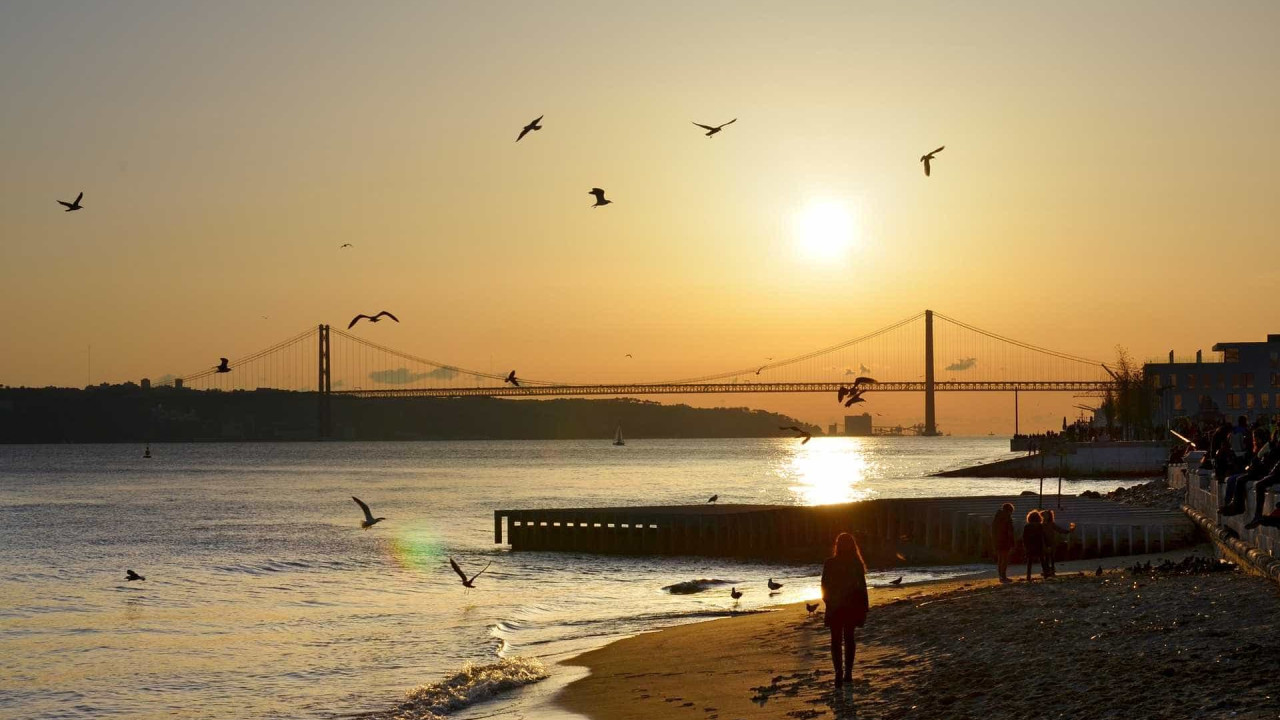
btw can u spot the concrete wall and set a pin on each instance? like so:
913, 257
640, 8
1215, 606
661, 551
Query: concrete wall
1205, 495
1097, 459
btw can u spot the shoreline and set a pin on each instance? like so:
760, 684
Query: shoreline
965, 647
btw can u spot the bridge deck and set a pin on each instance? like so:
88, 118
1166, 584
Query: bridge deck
938, 529
729, 387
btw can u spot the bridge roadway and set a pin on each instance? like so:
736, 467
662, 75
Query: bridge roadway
723, 387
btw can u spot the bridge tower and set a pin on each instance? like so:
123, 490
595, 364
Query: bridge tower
930, 422
324, 426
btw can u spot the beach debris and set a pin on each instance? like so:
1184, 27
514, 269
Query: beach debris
369, 520
131, 576
690, 587
1190, 565
1154, 494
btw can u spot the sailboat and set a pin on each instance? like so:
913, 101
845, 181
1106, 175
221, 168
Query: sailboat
617, 436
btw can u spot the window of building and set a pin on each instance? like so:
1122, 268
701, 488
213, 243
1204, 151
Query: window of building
1266, 399
1173, 381
1275, 358
1191, 382
1248, 400
1231, 355
1235, 381
1233, 401
1222, 381
1205, 382
1275, 379
1177, 402
1248, 380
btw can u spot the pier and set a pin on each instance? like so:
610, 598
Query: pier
952, 529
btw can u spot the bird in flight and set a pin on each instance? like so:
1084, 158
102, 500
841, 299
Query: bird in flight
854, 392
529, 128
629, 355
131, 576
222, 366
371, 318
600, 201
511, 378
467, 583
926, 158
896, 582
369, 520
811, 607
775, 586
713, 129
713, 498
345, 245
735, 593
762, 367
74, 205
799, 433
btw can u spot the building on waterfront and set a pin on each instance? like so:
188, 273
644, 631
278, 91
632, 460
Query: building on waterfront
833, 429
1244, 379
857, 425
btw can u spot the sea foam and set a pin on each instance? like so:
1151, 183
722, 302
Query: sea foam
470, 685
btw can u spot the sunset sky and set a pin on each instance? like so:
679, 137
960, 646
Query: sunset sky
1110, 176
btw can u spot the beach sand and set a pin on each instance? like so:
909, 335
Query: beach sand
1115, 646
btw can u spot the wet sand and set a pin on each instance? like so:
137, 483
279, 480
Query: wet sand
1073, 647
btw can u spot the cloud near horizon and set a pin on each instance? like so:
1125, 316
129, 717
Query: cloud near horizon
402, 376
963, 364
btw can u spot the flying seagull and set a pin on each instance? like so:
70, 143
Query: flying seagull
371, 318
511, 378
926, 158
811, 607
600, 201
345, 245
131, 576
530, 127
762, 367
75, 205
896, 582
222, 367
735, 593
774, 585
629, 355
712, 130
468, 583
854, 392
799, 433
369, 520
713, 498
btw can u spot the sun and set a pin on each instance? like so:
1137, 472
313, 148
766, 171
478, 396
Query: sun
824, 229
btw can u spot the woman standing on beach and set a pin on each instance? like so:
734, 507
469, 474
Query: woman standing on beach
844, 590
1033, 543
1002, 537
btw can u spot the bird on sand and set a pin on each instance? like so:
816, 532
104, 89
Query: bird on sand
811, 607
600, 201
345, 245
223, 366
734, 593
131, 576
511, 378
369, 520
371, 318
896, 582
799, 433
72, 206
530, 128
713, 498
467, 583
774, 585
927, 158
713, 129
1098, 572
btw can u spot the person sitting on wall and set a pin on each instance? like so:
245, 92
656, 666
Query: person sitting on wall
1264, 460
1260, 498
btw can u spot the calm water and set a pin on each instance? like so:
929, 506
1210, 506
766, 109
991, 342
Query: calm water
265, 599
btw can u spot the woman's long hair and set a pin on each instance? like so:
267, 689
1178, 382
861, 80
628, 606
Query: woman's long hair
847, 549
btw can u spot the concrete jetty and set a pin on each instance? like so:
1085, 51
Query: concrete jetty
1077, 460
952, 529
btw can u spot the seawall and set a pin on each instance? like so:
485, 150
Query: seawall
1095, 459
1259, 548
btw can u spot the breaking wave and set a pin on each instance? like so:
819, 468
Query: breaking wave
689, 587
470, 685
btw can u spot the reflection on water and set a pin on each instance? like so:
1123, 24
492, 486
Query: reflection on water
828, 470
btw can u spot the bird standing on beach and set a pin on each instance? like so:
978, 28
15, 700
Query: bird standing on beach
811, 607
369, 520
371, 318
1098, 572
530, 128
600, 201
511, 378
73, 205
222, 367
713, 498
467, 583
713, 129
130, 576
927, 158
896, 582
799, 433
734, 593
775, 586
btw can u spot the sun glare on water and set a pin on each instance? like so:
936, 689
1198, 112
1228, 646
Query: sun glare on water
824, 230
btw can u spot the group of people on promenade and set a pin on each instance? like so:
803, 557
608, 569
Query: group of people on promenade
1238, 455
1040, 538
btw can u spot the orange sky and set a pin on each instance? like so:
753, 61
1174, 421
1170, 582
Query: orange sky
1109, 178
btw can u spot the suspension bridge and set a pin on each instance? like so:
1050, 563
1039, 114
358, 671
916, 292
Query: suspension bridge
927, 353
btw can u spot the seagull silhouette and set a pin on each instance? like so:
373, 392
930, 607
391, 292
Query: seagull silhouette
371, 318
131, 576
734, 593
70, 206
511, 378
222, 366
713, 129
530, 127
774, 585
927, 158
896, 582
799, 433
713, 498
468, 583
854, 392
369, 520
629, 355
345, 245
811, 607
600, 201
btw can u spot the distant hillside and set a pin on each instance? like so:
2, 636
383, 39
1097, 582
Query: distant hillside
128, 413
